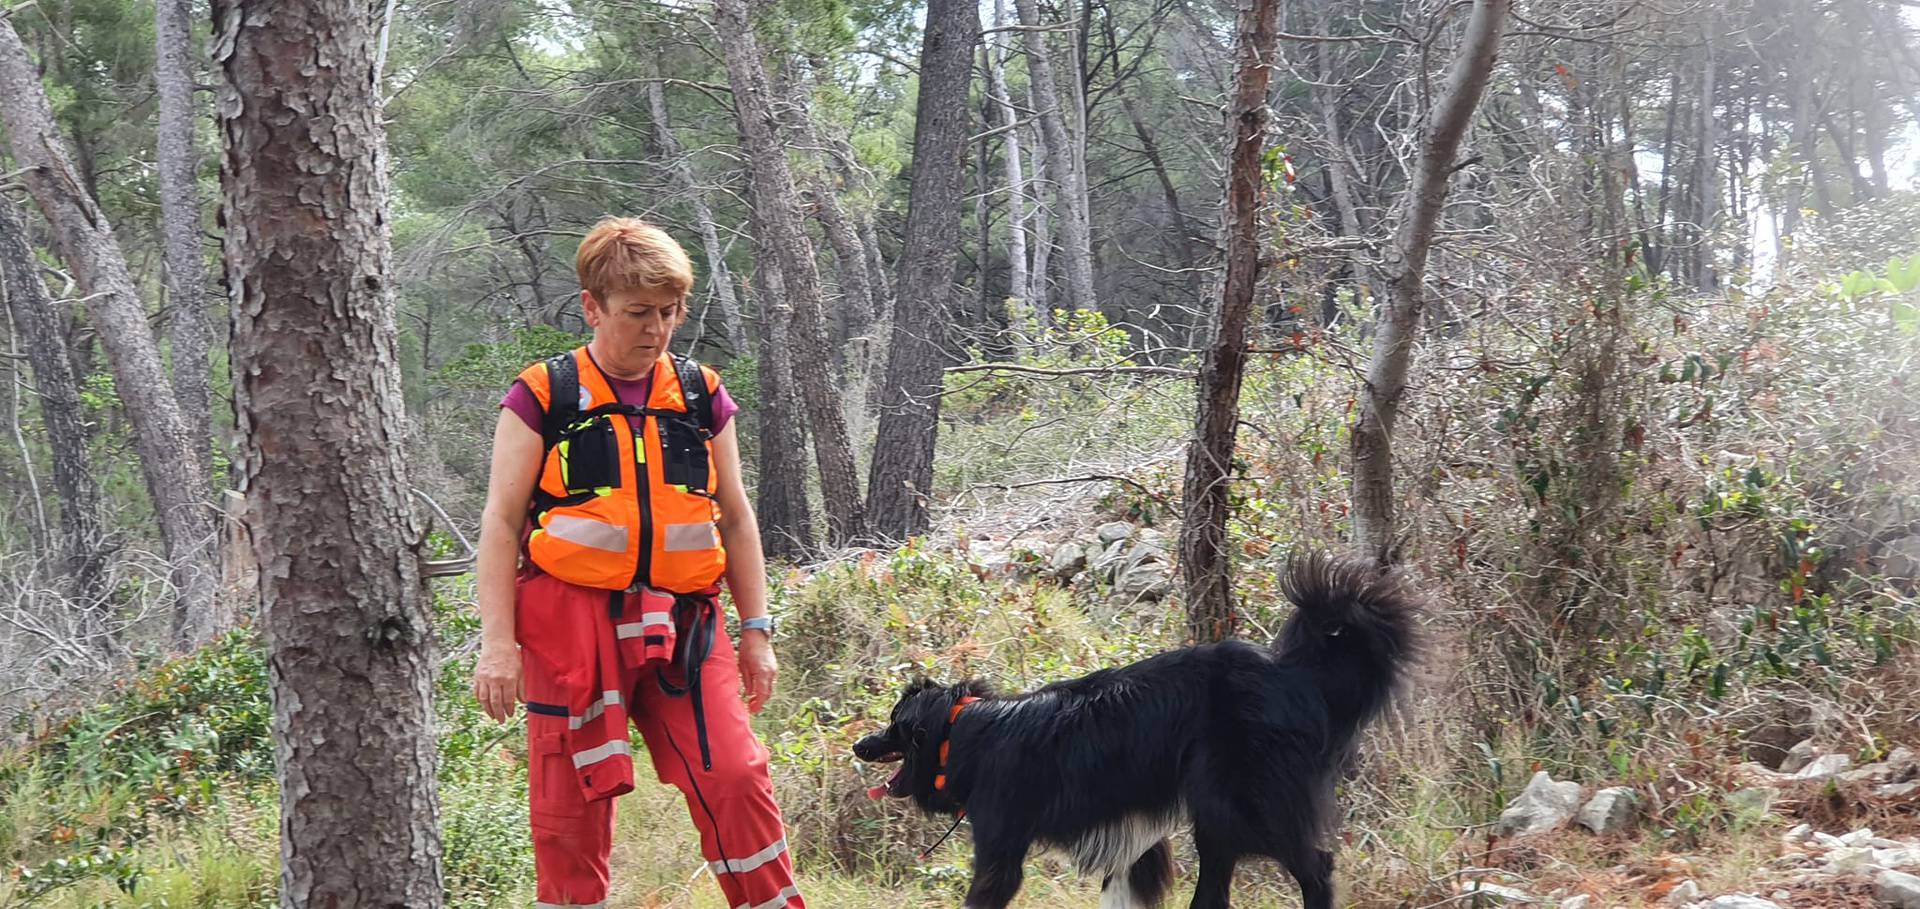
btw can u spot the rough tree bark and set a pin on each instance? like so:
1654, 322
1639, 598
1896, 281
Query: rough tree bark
902, 474
345, 611
169, 459
822, 199
719, 277
1076, 237
777, 203
786, 525
179, 173
1204, 560
1405, 272
82, 538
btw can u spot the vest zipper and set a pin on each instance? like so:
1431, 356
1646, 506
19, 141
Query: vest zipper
643, 569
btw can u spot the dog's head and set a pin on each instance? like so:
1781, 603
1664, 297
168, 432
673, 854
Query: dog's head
912, 738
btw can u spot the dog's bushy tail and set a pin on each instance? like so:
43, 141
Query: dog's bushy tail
1355, 629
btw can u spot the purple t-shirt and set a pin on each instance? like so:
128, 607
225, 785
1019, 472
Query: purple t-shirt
524, 405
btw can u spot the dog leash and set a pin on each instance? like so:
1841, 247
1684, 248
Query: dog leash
928, 852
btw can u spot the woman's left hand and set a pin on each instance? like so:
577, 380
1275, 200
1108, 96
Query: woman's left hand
757, 668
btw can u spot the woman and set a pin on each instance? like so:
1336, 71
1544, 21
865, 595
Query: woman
616, 472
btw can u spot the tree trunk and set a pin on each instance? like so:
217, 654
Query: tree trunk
786, 525
777, 202
1071, 189
978, 322
902, 474
1799, 147
1037, 277
1873, 135
1008, 120
1706, 190
719, 277
346, 615
1405, 270
1204, 559
822, 198
179, 173
1663, 233
169, 459
82, 546
1342, 172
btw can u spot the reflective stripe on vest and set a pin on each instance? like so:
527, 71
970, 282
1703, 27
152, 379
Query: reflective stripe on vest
625, 492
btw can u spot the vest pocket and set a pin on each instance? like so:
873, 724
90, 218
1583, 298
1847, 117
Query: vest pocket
590, 457
683, 452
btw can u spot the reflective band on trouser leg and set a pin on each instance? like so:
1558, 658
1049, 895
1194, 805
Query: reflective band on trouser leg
741, 834
572, 833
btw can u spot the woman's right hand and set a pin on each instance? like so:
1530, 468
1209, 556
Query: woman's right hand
497, 683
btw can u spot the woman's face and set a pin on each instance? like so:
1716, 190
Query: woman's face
631, 328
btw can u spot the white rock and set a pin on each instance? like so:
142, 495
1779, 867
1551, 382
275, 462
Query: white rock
1896, 858
1827, 841
1739, 901
1781, 896
1900, 891
1067, 560
1576, 902
1496, 895
1859, 837
1146, 581
1108, 563
1544, 805
1800, 834
1687, 892
1798, 757
1754, 774
1114, 531
1848, 859
1897, 790
1609, 810
1824, 767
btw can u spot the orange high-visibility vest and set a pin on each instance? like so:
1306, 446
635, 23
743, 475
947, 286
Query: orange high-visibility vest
626, 494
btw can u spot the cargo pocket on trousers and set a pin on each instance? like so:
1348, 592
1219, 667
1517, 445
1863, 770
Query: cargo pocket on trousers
553, 788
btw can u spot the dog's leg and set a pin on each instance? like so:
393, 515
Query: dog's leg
1145, 882
996, 875
1217, 858
1313, 869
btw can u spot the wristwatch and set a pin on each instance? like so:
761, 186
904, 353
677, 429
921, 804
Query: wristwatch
762, 623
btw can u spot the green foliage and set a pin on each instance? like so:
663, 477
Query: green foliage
492, 367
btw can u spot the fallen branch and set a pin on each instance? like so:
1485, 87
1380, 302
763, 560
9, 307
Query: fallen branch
1089, 478
1079, 371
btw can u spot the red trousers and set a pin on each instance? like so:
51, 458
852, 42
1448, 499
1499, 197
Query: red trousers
566, 650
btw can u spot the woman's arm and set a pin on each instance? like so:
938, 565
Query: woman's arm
517, 453
746, 568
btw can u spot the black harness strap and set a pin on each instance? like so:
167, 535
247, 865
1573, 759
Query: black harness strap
695, 613
563, 397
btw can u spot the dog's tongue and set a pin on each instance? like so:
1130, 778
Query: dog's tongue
877, 792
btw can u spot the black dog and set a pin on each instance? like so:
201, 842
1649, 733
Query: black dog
1243, 742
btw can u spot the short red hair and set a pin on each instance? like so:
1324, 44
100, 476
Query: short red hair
627, 254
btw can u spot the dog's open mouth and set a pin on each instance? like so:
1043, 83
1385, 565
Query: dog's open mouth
893, 784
